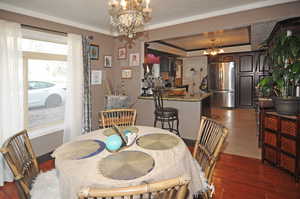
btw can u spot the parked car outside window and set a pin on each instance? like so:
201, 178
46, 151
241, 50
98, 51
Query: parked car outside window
45, 94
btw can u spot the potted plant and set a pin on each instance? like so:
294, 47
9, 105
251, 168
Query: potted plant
284, 58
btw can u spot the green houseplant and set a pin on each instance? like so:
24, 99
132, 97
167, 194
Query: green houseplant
284, 58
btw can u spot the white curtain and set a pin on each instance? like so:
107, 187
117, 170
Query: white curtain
74, 98
11, 88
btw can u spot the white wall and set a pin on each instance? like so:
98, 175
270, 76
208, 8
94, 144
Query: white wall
197, 63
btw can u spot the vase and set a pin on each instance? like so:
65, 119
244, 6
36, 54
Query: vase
287, 105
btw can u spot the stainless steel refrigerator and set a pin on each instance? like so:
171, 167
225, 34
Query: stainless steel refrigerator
221, 82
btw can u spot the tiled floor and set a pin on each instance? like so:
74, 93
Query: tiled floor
242, 138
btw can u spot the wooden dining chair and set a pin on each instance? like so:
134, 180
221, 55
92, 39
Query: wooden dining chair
120, 117
210, 139
19, 155
167, 189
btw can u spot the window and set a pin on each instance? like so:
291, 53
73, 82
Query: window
45, 75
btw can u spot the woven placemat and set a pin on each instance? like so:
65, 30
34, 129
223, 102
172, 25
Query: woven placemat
126, 165
111, 131
82, 149
157, 141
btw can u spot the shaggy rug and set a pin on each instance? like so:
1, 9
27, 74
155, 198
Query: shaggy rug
45, 186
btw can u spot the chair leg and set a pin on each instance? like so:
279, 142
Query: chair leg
170, 122
170, 127
177, 126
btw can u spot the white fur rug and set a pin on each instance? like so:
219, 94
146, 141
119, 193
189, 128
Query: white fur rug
45, 186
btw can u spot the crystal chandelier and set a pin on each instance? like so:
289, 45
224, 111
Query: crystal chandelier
128, 16
214, 50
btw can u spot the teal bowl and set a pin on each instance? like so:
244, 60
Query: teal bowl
113, 142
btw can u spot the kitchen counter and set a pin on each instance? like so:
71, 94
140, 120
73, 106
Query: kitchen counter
190, 109
185, 98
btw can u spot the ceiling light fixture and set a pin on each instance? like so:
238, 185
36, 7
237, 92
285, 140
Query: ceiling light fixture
129, 16
214, 50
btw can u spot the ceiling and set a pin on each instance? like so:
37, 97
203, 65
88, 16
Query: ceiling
223, 38
93, 15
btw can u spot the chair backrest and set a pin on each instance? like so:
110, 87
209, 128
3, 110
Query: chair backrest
157, 97
168, 189
18, 153
119, 117
210, 139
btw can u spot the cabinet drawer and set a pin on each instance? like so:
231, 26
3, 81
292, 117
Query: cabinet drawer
270, 154
271, 123
287, 162
270, 138
289, 127
288, 145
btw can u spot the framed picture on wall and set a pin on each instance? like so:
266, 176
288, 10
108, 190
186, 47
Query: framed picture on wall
107, 61
134, 59
94, 52
126, 73
122, 53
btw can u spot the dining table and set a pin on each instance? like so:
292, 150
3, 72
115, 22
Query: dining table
155, 155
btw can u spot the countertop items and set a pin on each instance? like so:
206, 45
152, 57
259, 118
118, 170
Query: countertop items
185, 98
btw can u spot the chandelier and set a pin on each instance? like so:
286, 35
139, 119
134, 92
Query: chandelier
128, 16
214, 50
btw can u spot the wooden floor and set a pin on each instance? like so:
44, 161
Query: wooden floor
235, 177
247, 178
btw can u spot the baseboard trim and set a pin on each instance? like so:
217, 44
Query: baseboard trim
45, 157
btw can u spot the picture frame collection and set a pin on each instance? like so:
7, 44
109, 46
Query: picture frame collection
134, 60
126, 73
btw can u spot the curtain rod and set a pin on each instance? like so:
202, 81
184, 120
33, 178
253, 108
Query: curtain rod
43, 29
49, 30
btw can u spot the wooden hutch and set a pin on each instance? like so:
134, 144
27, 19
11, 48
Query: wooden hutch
280, 134
281, 142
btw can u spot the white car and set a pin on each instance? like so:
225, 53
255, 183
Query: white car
45, 94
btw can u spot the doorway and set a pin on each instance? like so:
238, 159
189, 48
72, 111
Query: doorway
242, 139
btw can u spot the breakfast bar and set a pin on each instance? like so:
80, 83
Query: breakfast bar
190, 108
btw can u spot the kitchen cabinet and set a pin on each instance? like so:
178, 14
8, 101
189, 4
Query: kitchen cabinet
292, 24
250, 68
164, 64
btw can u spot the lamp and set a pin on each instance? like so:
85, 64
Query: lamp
129, 15
214, 50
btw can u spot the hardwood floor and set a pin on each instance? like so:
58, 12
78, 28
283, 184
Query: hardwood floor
235, 177
247, 178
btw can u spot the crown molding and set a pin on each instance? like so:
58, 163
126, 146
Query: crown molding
218, 13
7, 7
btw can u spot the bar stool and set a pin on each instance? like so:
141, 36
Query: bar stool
164, 115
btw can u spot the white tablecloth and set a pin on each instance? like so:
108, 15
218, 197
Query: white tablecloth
76, 174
